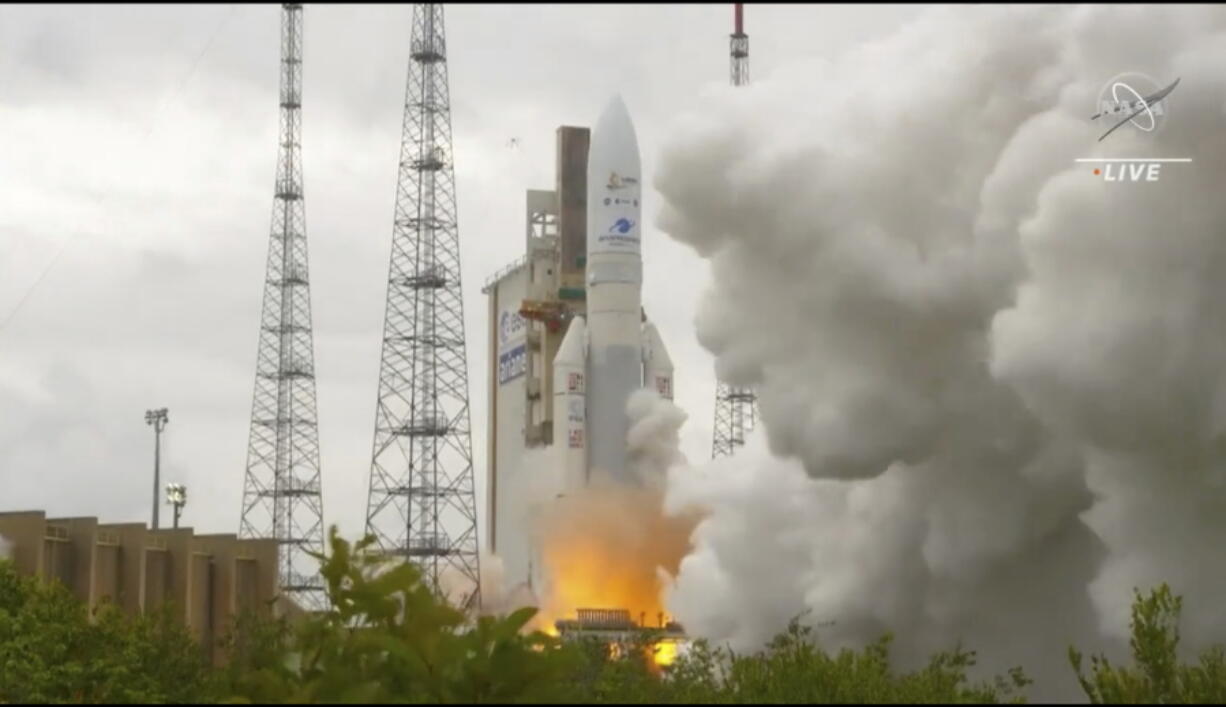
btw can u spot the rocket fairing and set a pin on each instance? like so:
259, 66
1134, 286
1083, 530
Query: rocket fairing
604, 359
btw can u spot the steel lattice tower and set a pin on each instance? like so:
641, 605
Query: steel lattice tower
281, 492
738, 49
422, 503
735, 407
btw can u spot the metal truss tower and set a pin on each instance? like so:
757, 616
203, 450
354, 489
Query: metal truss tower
738, 47
735, 407
281, 493
422, 504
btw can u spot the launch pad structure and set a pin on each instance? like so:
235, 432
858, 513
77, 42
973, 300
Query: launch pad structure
616, 627
531, 302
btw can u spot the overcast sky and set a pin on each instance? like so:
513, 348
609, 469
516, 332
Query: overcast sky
138, 144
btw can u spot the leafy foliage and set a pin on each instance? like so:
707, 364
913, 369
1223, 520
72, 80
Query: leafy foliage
1157, 676
792, 669
388, 638
50, 650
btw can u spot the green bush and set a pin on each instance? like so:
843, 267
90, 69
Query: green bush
1157, 677
388, 638
50, 650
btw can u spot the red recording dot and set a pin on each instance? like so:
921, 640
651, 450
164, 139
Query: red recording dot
1095, 170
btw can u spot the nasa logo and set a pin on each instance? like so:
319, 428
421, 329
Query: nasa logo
1136, 99
622, 226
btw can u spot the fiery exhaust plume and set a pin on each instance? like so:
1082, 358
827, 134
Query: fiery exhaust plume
611, 547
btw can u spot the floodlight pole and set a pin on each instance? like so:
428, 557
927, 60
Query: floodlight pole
176, 495
158, 419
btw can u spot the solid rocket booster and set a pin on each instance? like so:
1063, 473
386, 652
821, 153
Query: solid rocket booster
603, 360
569, 405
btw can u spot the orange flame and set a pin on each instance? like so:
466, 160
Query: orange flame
605, 547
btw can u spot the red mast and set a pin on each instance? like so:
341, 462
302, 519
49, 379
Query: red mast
739, 49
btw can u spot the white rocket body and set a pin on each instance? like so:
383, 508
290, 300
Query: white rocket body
613, 349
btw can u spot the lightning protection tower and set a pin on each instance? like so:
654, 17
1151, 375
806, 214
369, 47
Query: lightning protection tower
281, 492
735, 406
421, 503
738, 46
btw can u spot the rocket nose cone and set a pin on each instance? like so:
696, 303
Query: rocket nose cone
615, 127
615, 112
616, 105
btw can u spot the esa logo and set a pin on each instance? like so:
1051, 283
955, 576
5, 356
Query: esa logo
510, 325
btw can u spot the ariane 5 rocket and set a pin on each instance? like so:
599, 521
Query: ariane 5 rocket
614, 351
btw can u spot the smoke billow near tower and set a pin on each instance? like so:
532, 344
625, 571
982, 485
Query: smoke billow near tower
735, 407
281, 493
422, 503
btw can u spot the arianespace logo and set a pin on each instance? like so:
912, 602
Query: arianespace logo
617, 181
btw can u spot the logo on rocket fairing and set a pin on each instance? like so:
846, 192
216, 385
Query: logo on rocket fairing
617, 181
620, 234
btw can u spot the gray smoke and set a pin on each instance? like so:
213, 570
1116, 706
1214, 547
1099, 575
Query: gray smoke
994, 385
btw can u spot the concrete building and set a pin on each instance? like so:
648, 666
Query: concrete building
209, 579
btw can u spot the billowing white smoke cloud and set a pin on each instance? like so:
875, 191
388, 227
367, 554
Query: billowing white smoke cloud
994, 385
654, 439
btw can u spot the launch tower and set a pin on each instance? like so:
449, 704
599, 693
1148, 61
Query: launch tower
421, 504
282, 498
735, 406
